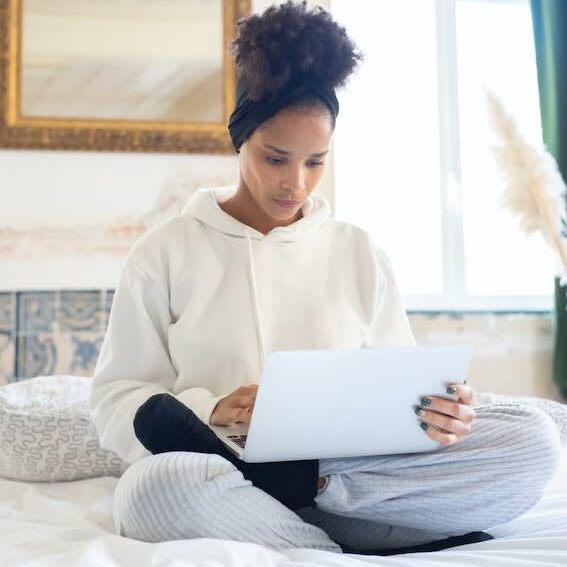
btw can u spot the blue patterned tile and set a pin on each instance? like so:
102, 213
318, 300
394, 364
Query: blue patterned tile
7, 312
7, 354
80, 311
78, 352
85, 353
36, 355
36, 312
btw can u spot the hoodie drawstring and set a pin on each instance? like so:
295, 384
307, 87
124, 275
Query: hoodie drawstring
259, 336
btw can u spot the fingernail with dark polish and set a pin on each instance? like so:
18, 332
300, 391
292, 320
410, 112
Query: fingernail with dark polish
451, 390
425, 402
419, 411
424, 426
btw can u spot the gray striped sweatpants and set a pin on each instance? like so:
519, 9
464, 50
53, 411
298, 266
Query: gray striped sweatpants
493, 475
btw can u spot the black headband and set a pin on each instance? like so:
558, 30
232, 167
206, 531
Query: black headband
249, 114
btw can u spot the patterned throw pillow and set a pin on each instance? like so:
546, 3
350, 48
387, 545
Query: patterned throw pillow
46, 433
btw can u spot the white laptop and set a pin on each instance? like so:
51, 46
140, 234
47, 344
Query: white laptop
314, 404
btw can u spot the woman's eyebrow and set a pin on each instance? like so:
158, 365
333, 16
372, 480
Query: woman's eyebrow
286, 153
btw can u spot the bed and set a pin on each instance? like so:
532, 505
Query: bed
70, 523
57, 485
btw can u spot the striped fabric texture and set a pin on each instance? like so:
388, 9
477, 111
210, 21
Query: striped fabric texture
496, 473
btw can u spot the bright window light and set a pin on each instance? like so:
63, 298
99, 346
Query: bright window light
501, 259
386, 149
412, 156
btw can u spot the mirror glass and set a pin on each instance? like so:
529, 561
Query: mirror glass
158, 60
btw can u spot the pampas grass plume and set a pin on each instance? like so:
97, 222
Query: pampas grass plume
534, 189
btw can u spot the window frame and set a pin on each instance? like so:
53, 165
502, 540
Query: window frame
455, 297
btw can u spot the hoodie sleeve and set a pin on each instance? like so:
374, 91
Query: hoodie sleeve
390, 326
134, 364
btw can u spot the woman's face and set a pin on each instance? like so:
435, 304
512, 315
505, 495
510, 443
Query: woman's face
284, 159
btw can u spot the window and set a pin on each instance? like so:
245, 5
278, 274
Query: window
412, 157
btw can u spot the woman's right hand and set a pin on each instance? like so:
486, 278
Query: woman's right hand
236, 407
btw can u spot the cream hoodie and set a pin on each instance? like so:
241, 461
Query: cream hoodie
203, 299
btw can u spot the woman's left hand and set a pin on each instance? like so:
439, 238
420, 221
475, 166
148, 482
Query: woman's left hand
448, 421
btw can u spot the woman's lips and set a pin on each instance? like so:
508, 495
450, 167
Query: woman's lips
287, 204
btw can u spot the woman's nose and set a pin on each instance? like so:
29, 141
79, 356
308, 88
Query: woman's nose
296, 179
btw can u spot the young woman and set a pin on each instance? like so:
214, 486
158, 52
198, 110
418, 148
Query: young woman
259, 267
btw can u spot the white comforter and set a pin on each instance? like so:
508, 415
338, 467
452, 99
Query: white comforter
70, 523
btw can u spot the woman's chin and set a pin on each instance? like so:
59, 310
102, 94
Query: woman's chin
285, 213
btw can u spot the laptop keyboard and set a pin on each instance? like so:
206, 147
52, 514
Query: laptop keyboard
240, 440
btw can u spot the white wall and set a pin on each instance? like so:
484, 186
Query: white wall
41, 188
512, 352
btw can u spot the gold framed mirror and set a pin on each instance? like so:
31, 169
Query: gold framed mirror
133, 76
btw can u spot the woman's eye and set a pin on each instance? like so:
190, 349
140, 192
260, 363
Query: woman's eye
278, 161
273, 161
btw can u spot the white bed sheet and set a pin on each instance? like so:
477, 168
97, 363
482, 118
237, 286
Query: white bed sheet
70, 523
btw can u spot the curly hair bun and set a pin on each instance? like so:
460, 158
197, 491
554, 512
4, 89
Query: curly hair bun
288, 43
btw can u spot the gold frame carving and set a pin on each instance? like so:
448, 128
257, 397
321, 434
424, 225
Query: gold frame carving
20, 132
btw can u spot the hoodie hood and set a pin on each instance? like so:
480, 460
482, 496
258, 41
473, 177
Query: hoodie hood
203, 205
